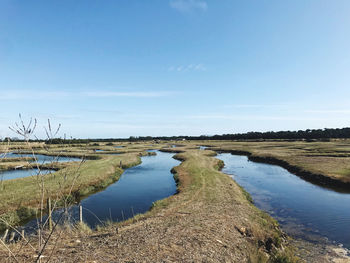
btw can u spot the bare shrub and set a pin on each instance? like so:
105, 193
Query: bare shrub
52, 201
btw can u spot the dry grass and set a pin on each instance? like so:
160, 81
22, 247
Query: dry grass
331, 159
75, 179
210, 220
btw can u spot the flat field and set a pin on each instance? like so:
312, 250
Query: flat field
210, 219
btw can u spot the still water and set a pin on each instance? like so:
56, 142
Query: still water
303, 210
14, 174
41, 159
135, 192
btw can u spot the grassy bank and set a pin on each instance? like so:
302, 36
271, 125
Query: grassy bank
210, 219
323, 163
21, 197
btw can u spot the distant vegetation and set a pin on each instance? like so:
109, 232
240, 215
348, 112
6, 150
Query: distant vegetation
317, 134
285, 135
294, 135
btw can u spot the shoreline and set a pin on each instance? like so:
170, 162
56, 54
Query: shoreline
209, 212
314, 178
320, 247
19, 214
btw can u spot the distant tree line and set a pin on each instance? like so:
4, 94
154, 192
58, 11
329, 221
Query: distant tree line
66, 141
317, 134
288, 135
80, 141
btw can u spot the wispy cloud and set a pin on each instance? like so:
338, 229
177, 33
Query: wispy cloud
25, 94
253, 106
185, 6
292, 107
255, 118
340, 111
190, 67
126, 94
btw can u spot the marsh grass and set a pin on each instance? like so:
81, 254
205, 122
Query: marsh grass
25, 198
330, 158
209, 204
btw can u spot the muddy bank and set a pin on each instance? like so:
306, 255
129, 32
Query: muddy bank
318, 179
314, 178
306, 212
210, 219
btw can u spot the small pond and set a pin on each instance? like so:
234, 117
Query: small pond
41, 159
14, 174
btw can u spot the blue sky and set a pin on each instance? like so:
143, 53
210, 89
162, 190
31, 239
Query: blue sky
171, 67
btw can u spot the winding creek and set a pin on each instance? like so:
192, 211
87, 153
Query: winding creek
134, 193
303, 210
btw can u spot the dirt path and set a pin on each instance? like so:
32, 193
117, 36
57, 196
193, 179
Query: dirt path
210, 220
198, 224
